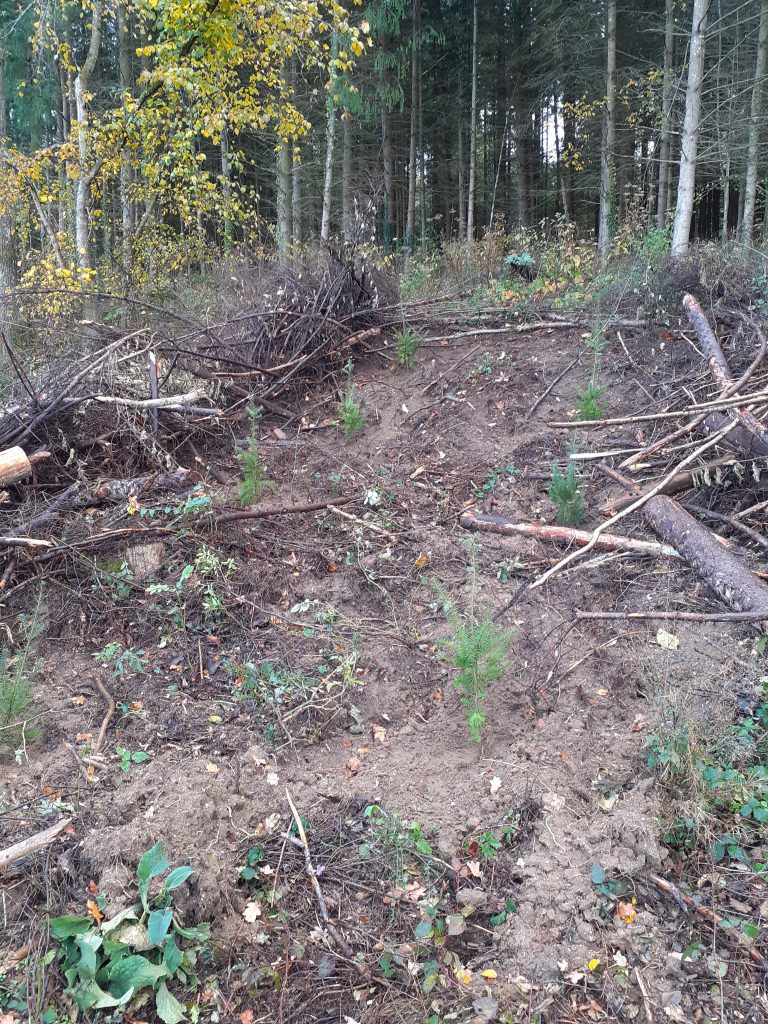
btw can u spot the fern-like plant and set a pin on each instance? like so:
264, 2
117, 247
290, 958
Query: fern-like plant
255, 482
477, 648
16, 690
565, 492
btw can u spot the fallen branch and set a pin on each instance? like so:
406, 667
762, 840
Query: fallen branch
554, 384
331, 928
27, 847
290, 510
107, 717
24, 542
731, 934
562, 534
685, 616
730, 579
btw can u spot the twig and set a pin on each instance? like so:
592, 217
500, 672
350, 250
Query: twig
710, 915
108, 717
554, 383
720, 517
263, 513
24, 542
685, 616
331, 928
29, 846
363, 522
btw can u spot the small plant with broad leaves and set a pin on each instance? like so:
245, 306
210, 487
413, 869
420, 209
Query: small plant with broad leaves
407, 342
565, 492
351, 417
477, 648
107, 964
255, 483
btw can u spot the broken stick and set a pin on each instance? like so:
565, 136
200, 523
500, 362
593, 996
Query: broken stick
32, 845
562, 534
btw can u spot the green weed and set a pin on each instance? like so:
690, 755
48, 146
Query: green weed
565, 491
351, 416
16, 700
477, 648
407, 345
107, 965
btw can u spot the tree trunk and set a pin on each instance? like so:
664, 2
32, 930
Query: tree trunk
473, 133
410, 226
753, 152
298, 202
607, 155
667, 96
690, 140
7, 261
347, 206
84, 178
388, 160
126, 168
284, 227
330, 135
226, 188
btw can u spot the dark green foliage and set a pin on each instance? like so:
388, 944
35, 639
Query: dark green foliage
589, 406
255, 482
565, 492
477, 648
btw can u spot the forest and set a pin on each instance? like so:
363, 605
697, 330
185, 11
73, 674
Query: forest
383, 461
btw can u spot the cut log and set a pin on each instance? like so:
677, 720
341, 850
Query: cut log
562, 534
725, 573
32, 845
14, 466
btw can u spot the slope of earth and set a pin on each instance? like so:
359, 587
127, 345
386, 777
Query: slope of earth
501, 880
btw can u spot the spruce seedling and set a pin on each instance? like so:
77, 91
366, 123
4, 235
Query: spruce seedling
351, 416
565, 492
255, 482
588, 406
407, 345
477, 648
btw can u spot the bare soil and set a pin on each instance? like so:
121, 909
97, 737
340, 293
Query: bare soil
562, 755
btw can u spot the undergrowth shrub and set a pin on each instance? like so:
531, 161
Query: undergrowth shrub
351, 416
407, 345
477, 648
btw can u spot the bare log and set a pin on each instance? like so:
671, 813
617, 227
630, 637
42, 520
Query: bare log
14, 466
725, 573
32, 845
562, 534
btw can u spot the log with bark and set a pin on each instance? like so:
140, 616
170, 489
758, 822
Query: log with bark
33, 844
725, 573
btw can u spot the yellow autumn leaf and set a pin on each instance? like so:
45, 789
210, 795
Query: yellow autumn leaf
489, 974
593, 964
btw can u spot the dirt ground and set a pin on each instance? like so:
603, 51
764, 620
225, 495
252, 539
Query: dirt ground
345, 594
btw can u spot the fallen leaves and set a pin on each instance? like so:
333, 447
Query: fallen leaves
666, 640
252, 911
93, 910
626, 912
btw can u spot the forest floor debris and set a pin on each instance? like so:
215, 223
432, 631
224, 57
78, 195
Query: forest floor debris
290, 646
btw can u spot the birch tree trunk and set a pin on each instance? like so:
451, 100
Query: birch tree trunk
690, 142
84, 177
330, 135
753, 152
473, 134
667, 95
607, 156
410, 224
